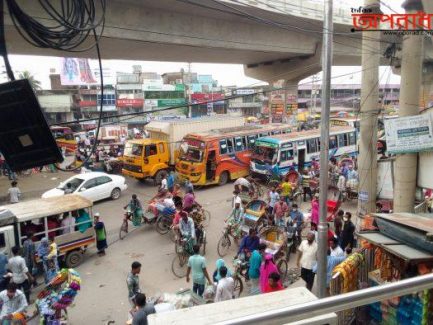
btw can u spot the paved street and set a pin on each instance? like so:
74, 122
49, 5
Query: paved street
104, 295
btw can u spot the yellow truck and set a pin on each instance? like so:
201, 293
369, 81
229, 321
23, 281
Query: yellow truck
156, 155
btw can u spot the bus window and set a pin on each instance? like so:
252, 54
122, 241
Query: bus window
332, 142
238, 144
251, 141
150, 150
245, 142
286, 155
341, 142
318, 144
223, 147
263, 135
311, 146
352, 139
230, 145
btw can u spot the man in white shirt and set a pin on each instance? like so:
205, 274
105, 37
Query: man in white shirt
14, 193
164, 185
236, 199
307, 256
20, 273
12, 301
226, 286
68, 224
336, 250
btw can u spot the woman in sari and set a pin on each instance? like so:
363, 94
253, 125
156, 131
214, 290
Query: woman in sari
80, 221
268, 267
216, 275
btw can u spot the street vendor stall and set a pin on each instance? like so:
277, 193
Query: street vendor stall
393, 247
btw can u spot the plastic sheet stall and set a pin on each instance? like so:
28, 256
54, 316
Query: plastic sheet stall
349, 276
385, 260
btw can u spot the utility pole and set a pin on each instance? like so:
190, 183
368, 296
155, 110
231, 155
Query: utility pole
328, 30
369, 113
411, 75
189, 91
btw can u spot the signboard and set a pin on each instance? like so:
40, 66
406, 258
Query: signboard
137, 102
76, 72
409, 134
245, 91
171, 102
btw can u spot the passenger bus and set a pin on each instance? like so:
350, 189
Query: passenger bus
345, 121
281, 152
218, 156
65, 138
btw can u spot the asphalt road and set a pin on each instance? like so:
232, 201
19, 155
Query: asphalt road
104, 294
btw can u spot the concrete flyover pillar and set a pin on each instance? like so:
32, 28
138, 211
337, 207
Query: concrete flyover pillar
284, 101
411, 70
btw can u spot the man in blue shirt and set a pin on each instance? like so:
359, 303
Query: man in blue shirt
248, 244
332, 262
170, 181
296, 216
254, 269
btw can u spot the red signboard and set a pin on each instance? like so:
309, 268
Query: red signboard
87, 103
203, 97
137, 102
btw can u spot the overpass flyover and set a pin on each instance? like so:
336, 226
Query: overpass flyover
273, 39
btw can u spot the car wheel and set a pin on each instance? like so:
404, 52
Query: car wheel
115, 194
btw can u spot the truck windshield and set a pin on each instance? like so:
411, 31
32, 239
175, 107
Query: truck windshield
265, 154
190, 153
133, 149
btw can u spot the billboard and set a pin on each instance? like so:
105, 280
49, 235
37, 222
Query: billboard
76, 72
409, 134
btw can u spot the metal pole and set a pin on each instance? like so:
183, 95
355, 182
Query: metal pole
369, 110
336, 303
328, 27
411, 75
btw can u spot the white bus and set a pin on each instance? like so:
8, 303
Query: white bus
281, 152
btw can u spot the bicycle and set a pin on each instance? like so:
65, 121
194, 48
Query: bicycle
240, 271
201, 216
224, 242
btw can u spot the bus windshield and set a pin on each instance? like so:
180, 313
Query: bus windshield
133, 149
191, 152
265, 154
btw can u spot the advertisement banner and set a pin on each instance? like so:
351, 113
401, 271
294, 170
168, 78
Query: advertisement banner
76, 72
409, 134
171, 102
137, 102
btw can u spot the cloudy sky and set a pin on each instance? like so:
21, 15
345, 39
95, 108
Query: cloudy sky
226, 74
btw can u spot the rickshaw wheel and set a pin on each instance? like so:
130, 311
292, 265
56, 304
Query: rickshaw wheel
239, 286
282, 268
206, 218
223, 246
179, 265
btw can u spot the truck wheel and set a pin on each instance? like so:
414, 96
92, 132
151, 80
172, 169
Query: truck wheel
73, 259
224, 178
158, 176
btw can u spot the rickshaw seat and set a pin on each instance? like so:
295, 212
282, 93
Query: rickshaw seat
332, 205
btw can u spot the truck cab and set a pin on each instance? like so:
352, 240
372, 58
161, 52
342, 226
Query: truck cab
146, 158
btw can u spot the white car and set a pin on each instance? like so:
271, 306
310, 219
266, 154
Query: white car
94, 186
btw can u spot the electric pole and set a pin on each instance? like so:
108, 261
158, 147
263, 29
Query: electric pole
369, 113
411, 75
328, 30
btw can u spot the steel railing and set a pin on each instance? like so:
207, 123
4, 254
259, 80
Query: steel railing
337, 303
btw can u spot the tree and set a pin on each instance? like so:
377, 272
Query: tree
36, 84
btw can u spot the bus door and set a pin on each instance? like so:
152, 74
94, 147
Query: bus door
301, 155
211, 165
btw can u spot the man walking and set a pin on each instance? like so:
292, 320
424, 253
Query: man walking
226, 286
197, 265
307, 252
347, 235
133, 282
20, 273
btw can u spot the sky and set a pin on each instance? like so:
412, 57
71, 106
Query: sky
225, 74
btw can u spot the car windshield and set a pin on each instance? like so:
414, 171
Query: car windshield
265, 154
133, 149
75, 183
190, 153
